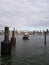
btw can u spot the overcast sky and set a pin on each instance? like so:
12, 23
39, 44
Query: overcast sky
24, 14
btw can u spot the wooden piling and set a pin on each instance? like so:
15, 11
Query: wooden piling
13, 39
6, 44
45, 38
6, 33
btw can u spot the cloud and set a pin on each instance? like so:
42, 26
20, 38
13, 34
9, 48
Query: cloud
21, 13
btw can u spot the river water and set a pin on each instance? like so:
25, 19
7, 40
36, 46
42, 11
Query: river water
27, 52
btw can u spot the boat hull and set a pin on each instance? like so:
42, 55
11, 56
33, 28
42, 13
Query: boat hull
25, 38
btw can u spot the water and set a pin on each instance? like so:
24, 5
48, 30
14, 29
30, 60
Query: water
27, 52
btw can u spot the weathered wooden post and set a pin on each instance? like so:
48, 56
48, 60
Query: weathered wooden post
45, 38
6, 34
13, 39
6, 44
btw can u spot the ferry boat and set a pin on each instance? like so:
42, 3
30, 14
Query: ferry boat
26, 36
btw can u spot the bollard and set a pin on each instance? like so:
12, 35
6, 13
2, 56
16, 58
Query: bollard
13, 39
45, 38
6, 44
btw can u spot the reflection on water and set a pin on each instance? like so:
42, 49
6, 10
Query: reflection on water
6, 60
28, 52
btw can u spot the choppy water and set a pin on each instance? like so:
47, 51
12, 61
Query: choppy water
27, 52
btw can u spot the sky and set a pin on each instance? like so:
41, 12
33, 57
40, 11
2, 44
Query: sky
24, 14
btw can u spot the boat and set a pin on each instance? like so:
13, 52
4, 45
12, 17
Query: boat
26, 36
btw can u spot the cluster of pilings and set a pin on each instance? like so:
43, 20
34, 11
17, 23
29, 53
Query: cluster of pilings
7, 44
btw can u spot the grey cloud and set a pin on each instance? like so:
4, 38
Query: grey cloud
24, 12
